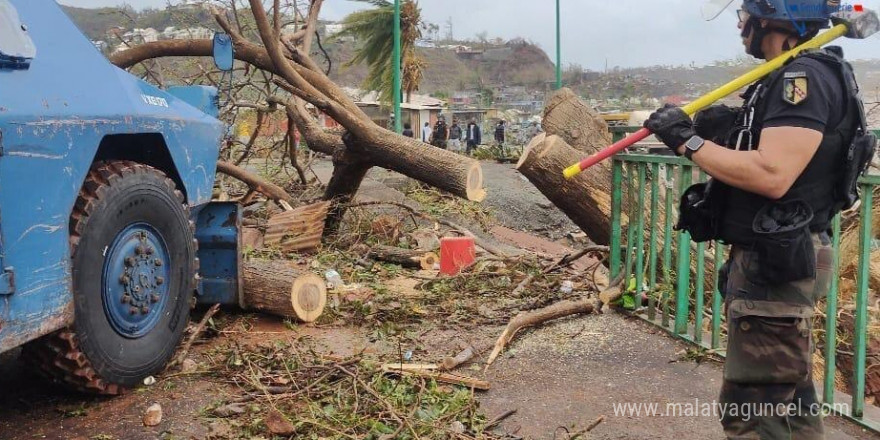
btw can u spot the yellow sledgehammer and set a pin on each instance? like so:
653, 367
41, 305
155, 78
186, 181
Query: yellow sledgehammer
857, 25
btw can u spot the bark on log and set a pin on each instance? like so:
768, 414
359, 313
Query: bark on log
535, 317
277, 288
585, 199
439, 168
404, 257
299, 230
349, 170
256, 183
566, 116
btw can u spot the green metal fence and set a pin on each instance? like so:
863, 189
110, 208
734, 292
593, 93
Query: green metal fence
660, 261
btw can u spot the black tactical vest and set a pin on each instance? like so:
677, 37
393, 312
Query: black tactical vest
816, 185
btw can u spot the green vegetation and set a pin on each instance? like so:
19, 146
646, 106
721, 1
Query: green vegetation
373, 29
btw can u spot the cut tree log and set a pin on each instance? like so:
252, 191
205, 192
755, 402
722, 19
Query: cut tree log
404, 257
299, 230
536, 317
277, 288
566, 116
585, 199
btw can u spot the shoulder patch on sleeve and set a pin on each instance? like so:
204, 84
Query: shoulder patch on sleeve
795, 89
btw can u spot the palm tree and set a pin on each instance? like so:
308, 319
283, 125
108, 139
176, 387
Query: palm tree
373, 29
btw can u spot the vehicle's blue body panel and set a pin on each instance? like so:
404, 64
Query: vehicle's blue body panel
203, 98
217, 231
53, 117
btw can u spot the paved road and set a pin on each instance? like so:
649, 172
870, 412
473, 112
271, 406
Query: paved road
515, 202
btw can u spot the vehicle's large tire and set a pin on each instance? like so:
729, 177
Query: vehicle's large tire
134, 263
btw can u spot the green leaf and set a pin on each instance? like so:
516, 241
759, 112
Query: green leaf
629, 301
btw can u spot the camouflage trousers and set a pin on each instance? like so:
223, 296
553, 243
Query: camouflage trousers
768, 390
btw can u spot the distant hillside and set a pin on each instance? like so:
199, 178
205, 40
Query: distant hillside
478, 65
96, 22
516, 63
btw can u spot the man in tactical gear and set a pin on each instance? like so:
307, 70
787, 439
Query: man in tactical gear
776, 165
440, 134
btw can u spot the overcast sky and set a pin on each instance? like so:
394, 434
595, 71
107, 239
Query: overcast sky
624, 33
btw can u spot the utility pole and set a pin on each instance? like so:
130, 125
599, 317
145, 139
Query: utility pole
449, 35
396, 68
558, 51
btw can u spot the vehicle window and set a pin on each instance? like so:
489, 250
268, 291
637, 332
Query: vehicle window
14, 39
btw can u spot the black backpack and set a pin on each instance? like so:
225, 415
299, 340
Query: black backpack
860, 152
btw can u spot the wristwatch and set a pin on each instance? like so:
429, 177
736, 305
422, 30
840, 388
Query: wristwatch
693, 145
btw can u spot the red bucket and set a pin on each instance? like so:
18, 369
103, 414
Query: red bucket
456, 253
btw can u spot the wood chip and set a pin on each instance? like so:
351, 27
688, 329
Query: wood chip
153, 415
278, 424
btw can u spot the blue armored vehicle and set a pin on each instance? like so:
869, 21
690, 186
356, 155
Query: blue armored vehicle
103, 180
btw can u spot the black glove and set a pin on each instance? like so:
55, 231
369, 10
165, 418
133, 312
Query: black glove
672, 126
716, 123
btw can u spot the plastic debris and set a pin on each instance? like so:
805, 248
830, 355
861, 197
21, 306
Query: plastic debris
334, 280
566, 287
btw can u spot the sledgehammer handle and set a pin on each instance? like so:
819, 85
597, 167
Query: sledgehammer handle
712, 97
603, 154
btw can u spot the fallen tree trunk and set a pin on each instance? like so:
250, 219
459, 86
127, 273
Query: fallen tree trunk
439, 168
536, 317
585, 199
404, 257
254, 182
298, 230
277, 288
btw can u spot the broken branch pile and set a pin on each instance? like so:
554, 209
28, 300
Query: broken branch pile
302, 394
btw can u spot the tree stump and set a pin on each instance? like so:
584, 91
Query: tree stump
277, 288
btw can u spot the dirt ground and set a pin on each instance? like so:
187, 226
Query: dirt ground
560, 376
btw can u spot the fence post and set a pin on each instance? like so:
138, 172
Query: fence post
652, 245
616, 197
861, 324
831, 317
716, 297
667, 243
682, 302
640, 238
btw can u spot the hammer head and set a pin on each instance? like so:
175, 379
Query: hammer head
861, 25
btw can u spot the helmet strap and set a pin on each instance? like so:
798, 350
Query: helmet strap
760, 32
